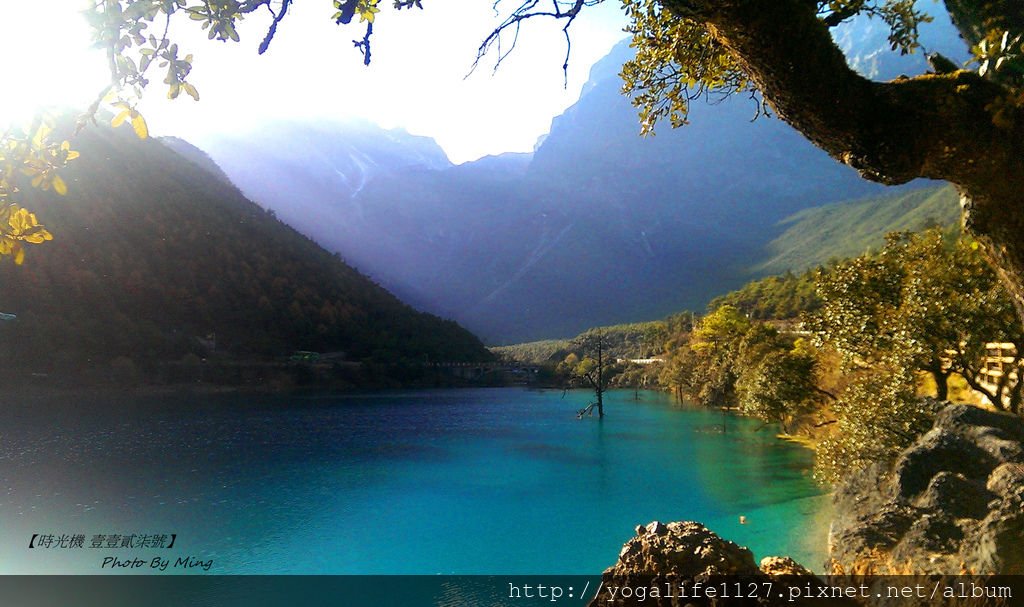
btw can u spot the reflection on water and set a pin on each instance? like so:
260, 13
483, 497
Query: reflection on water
471, 481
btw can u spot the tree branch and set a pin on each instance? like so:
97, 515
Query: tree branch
278, 17
528, 10
891, 132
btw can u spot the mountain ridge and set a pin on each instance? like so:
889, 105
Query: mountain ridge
155, 259
600, 227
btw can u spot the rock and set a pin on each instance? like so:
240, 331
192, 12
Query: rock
933, 534
879, 530
999, 545
657, 528
783, 565
682, 548
665, 556
941, 449
956, 495
951, 502
1007, 481
680, 556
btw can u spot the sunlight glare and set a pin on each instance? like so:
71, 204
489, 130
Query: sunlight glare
48, 62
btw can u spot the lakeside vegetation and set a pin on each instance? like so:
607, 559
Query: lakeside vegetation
853, 357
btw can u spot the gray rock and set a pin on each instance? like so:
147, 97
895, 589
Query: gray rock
956, 495
1007, 481
933, 534
953, 502
998, 546
941, 449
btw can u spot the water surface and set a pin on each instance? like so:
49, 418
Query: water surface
501, 481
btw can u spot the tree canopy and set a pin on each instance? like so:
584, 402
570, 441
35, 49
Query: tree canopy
924, 302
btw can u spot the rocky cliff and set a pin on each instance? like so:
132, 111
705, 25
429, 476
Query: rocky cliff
952, 503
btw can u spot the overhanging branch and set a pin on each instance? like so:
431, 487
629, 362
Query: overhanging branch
529, 9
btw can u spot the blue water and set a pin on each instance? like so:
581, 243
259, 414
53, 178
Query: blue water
500, 481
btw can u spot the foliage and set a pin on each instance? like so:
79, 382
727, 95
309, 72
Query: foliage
878, 416
632, 340
781, 384
781, 297
731, 361
27, 153
705, 369
923, 302
533, 352
593, 370
678, 60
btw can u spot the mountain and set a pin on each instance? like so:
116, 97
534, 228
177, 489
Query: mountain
853, 227
598, 226
155, 256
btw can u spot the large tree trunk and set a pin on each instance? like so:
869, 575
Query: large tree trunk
955, 127
941, 383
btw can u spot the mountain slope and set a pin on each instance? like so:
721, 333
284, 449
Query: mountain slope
600, 227
850, 228
151, 252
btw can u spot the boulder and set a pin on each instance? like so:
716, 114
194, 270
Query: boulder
667, 565
951, 503
682, 548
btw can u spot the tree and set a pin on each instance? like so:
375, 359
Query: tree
877, 416
715, 348
922, 302
782, 384
593, 370
965, 127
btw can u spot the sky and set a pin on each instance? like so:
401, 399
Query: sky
416, 81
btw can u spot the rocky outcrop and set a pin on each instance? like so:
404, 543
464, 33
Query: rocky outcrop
783, 565
952, 503
682, 548
675, 564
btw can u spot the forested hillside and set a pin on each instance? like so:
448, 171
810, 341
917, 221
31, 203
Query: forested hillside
155, 258
847, 229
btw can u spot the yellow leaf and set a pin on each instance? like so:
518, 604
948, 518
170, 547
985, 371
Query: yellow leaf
39, 236
41, 135
19, 254
59, 186
120, 118
139, 124
69, 154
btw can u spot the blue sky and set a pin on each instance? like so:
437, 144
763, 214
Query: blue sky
416, 81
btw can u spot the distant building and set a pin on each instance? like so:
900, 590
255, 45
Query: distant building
999, 361
641, 361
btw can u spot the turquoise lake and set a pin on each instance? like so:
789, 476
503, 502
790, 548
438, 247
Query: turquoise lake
489, 481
